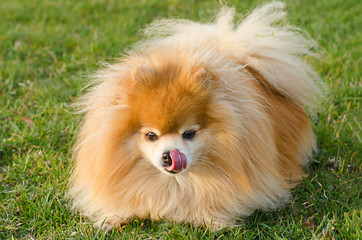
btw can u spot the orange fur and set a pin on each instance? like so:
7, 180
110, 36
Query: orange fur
252, 142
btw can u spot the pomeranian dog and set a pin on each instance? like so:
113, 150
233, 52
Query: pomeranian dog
200, 123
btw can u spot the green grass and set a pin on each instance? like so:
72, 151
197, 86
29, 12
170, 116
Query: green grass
47, 48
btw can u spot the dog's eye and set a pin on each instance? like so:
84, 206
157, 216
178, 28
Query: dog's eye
189, 134
151, 136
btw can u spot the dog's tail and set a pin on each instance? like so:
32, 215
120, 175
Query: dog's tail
262, 40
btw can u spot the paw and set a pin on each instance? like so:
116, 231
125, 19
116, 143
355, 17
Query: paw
105, 225
108, 223
217, 225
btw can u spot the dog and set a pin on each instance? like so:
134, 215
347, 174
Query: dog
200, 123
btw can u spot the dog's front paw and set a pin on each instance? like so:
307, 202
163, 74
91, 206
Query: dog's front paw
108, 223
104, 225
218, 224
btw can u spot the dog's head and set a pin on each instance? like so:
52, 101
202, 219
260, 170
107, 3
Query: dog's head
169, 105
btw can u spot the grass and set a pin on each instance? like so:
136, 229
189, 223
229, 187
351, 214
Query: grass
47, 48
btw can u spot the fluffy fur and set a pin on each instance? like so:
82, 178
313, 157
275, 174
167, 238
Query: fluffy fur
244, 88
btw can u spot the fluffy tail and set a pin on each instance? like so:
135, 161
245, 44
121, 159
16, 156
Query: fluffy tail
262, 40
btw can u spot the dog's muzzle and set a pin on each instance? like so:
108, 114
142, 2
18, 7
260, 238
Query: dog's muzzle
174, 161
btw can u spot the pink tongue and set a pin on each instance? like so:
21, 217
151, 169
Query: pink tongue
178, 161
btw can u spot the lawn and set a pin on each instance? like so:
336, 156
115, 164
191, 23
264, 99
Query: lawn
47, 50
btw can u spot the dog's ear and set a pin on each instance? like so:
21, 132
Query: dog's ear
206, 78
141, 73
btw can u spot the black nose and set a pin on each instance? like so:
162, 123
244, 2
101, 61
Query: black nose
166, 159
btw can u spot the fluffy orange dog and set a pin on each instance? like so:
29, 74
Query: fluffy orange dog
200, 123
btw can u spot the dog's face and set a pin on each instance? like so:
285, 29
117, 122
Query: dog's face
171, 152
169, 107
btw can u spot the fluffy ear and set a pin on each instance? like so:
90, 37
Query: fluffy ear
141, 73
206, 78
